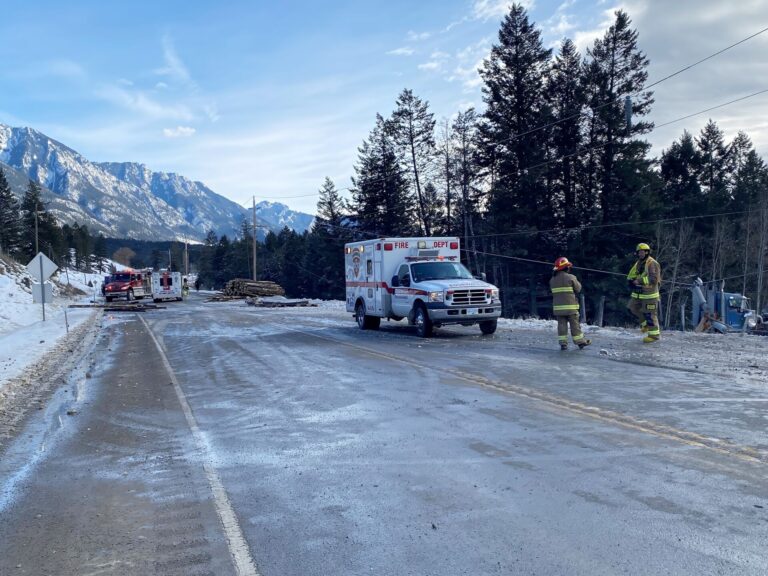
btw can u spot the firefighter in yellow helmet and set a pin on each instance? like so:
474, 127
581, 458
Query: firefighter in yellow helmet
644, 279
565, 304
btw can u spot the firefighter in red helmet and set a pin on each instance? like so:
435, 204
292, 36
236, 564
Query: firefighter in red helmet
565, 304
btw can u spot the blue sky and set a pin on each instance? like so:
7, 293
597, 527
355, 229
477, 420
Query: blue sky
268, 98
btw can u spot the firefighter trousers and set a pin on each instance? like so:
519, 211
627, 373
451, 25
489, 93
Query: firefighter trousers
563, 322
647, 311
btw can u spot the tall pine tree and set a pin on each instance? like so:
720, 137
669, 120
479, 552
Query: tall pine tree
413, 128
381, 202
10, 218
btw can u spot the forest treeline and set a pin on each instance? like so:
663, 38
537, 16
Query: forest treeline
555, 164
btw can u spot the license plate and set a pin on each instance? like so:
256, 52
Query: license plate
471, 311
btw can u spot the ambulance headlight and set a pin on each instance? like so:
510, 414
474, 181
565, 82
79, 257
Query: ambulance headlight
436, 296
495, 294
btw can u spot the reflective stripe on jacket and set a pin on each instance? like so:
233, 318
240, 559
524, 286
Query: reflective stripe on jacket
648, 272
565, 287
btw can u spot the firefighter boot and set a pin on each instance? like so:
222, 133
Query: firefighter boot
563, 346
584, 343
644, 327
650, 339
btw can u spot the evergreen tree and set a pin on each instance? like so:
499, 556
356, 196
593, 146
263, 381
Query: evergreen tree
39, 232
10, 219
566, 98
465, 139
716, 163
206, 264
413, 128
100, 252
617, 159
324, 261
381, 203
680, 170
514, 77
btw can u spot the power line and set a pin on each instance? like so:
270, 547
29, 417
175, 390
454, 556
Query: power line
589, 148
637, 92
710, 109
582, 150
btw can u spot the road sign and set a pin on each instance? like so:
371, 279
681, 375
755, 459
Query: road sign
41, 265
37, 295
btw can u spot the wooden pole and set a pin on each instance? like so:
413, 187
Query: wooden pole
255, 277
600, 311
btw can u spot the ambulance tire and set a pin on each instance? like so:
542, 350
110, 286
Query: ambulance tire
488, 327
364, 321
424, 326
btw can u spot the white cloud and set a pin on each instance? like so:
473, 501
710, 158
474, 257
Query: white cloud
489, 9
161, 86
468, 61
418, 36
403, 51
432, 65
141, 103
174, 67
179, 132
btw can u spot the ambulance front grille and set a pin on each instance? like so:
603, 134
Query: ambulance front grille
468, 297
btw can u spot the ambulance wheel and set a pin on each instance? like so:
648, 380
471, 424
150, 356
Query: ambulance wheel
488, 327
365, 322
423, 323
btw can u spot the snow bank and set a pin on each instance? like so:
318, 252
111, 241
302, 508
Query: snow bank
24, 336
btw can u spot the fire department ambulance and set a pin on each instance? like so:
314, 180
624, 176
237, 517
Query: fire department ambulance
166, 285
421, 279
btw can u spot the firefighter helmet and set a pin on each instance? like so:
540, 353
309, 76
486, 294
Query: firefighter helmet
561, 264
643, 246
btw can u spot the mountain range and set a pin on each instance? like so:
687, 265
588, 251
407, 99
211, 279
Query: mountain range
127, 199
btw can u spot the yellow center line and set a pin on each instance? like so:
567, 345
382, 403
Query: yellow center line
746, 453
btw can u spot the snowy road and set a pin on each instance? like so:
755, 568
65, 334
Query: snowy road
288, 442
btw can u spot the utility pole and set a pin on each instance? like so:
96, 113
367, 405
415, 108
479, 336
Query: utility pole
255, 277
186, 258
37, 246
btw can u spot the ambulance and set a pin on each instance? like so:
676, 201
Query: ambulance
418, 279
166, 285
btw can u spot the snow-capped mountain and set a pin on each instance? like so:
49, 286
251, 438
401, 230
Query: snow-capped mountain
125, 199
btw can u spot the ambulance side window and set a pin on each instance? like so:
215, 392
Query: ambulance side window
369, 267
403, 272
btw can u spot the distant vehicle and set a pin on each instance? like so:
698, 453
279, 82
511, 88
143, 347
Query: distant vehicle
166, 285
129, 284
421, 279
716, 310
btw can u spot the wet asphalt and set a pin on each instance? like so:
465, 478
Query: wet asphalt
349, 452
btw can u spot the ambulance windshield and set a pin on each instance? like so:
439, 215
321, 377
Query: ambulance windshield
439, 271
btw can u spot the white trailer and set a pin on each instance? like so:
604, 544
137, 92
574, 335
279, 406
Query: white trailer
421, 279
166, 285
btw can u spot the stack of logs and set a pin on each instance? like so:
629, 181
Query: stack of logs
242, 287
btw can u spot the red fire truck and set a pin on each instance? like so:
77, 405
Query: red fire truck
129, 284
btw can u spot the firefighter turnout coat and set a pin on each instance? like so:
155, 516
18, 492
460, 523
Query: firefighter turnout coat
648, 273
565, 289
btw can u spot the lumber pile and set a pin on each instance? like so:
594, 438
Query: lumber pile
242, 288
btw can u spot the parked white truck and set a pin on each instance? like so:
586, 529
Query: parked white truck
421, 279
